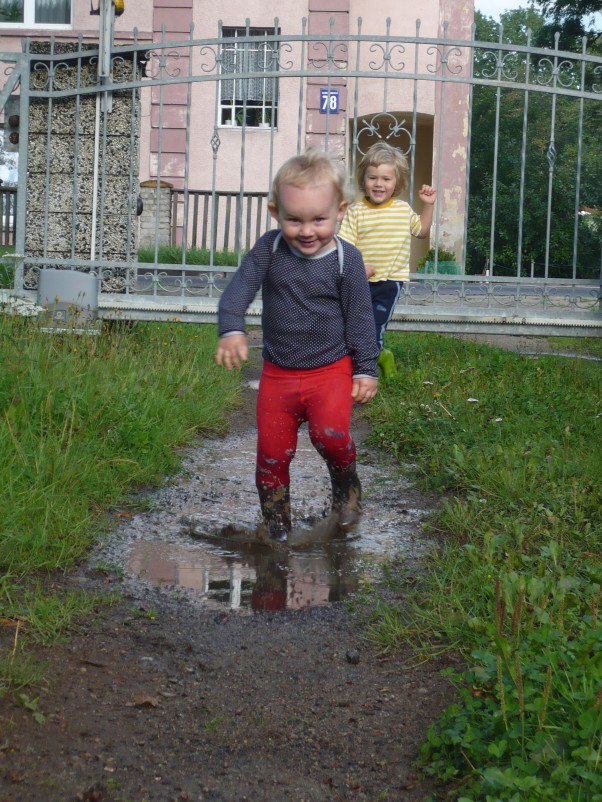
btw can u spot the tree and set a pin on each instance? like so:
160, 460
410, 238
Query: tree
572, 19
552, 163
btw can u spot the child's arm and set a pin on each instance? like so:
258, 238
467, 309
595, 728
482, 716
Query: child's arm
428, 196
232, 347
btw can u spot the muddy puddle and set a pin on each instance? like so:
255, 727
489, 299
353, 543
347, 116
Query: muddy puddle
199, 536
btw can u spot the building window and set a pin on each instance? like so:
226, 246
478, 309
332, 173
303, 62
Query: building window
32, 13
249, 101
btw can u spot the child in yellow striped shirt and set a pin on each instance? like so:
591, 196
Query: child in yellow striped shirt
381, 226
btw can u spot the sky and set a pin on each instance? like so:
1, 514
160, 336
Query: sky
493, 8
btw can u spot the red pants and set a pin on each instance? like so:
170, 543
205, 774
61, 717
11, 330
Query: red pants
287, 398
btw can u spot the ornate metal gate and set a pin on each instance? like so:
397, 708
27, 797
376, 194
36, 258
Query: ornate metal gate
153, 171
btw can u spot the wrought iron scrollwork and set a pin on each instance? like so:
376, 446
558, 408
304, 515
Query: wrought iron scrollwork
388, 54
394, 130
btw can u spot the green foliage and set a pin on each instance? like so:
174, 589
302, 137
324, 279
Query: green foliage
516, 584
172, 255
7, 268
446, 262
525, 129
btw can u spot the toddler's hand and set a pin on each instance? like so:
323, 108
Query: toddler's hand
232, 351
427, 194
364, 389
370, 270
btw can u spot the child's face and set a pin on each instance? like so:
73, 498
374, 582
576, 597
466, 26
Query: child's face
308, 216
379, 183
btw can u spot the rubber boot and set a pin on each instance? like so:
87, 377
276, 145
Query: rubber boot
346, 497
386, 363
276, 512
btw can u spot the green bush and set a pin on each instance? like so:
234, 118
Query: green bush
446, 262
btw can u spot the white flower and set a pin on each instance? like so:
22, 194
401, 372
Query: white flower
498, 420
18, 306
473, 400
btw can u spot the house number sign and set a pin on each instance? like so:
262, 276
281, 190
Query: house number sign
329, 101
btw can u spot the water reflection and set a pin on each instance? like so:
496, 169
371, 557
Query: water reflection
256, 576
199, 535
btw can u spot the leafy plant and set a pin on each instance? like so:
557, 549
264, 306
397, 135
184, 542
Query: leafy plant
446, 262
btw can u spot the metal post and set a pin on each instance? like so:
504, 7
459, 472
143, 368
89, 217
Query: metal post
105, 44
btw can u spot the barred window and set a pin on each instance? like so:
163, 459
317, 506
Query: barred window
249, 101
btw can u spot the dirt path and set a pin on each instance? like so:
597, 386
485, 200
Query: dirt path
163, 699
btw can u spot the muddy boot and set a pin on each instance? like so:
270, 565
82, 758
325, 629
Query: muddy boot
346, 497
386, 363
276, 512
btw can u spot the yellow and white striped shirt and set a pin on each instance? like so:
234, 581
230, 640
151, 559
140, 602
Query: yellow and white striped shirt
383, 233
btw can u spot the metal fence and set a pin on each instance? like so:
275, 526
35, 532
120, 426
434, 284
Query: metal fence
507, 133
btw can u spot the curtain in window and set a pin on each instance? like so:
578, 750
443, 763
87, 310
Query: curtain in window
11, 10
245, 57
54, 12
229, 54
259, 59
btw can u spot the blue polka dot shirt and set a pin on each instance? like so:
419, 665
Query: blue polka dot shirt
315, 310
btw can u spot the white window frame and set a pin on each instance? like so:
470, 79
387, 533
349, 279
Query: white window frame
29, 8
261, 112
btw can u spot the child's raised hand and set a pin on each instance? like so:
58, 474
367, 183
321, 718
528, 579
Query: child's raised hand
232, 351
364, 389
427, 194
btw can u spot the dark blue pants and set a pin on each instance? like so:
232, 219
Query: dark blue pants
385, 295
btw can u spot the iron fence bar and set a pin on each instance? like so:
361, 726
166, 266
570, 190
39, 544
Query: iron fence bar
551, 157
579, 155
24, 102
523, 163
159, 157
48, 157
185, 210
498, 94
273, 117
441, 126
464, 254
356, 86
422, 76
106, 109
215, 144
78, 81
413, 139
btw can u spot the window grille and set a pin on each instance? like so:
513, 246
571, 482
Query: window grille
252, 102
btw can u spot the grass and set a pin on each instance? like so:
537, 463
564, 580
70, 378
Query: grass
85, 420
172, 254
515, 585
7, 268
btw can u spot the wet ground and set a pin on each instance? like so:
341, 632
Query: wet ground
200, 537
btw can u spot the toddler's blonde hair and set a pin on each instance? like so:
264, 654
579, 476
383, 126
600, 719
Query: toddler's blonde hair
383, 153
312, 168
